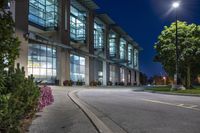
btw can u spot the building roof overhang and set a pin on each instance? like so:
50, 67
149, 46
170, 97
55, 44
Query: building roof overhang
90, 4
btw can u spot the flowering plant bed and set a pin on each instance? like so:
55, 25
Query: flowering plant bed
46, 97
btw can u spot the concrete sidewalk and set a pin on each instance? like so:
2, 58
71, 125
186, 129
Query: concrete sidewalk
63, 116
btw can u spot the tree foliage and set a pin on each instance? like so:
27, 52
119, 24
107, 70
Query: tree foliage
188, 50
18, 94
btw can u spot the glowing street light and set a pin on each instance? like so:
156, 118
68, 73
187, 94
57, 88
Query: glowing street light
176, 4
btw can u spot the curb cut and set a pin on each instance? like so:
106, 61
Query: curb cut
98, 124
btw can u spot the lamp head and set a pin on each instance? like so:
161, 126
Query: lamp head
176, 4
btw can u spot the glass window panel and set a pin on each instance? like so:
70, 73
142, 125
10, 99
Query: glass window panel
82, 61
43, 64
98, 35
49, 72
77, 67
30, 71
36, 71
122, 48
77, 24
43, 71
54, 72
43, 12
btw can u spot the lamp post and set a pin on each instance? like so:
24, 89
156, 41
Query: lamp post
175, 6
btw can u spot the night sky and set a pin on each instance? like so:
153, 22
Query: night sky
145, 19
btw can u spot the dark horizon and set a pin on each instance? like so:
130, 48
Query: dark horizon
144, 20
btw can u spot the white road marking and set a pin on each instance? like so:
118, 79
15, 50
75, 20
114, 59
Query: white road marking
193, 107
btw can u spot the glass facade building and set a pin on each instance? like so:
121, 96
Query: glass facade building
44, 13
70, 40
77, 24
77, 68
98, 35
42, 62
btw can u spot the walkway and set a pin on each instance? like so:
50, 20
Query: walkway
63, 116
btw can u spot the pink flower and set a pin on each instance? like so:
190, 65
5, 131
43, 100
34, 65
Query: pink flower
46, 97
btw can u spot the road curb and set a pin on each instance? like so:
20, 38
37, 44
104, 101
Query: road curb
171, 93
98, 124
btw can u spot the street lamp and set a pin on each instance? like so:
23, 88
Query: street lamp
175, 6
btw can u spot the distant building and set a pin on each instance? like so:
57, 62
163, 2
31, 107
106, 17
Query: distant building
67, 40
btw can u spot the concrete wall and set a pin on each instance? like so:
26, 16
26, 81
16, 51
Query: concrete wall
20, 9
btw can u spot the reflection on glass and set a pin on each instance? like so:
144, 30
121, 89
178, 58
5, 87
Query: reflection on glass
43, 12
77, 24
112, 44
122, 74
77, 68
136, 58
122, 49
98, 35
130, 54
42, 62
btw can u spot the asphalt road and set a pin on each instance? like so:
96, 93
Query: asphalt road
143, 112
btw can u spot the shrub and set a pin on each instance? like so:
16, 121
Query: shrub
128, 84
46, 97
121, 83
109, 83
18, 94
68, 83
99, 83
19, 98
93, 83
79, 83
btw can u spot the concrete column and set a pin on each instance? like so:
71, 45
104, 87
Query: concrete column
132, 77
138, 78
106, 71
21, 9
89, 70
117, 68
90, 45
96, 69
63, 58
64, 22
125, 76
61, 65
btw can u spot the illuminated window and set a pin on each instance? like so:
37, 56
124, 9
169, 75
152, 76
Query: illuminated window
135, 58
77, 24
112, 74
98, 35
42, 62
122, 49
130, 54
112, 45
77, 68
44, 12
122, 74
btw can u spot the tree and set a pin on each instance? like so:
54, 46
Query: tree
188, 50
18, 94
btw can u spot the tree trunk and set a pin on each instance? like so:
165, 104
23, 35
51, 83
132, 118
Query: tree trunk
188, 82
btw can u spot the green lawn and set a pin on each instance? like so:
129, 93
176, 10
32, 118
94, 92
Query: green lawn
168, 89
